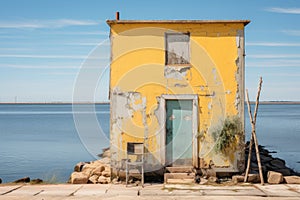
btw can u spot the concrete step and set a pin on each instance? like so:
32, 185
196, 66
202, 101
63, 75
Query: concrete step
179, 175
182, 178
179, 181
183, 169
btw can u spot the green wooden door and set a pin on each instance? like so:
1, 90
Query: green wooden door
179, 132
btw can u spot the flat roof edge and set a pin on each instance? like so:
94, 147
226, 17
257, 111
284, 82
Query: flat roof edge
111, 22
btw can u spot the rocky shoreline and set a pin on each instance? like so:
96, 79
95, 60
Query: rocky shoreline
274, 170
91, 172
268, 162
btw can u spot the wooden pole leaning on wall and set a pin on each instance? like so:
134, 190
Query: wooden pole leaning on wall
253, 134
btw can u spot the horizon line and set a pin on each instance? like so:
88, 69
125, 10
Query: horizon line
108, 102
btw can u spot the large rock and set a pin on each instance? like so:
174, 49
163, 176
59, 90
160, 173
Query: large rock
274, 177
278, 163
105, 160
93, 179
253, 178
79, 178
213, 179
36, 181
88, 168
78, 167
103, 180
106, 173
292, 179
98, 170
23, 180
237, 179
105, 153
284, 171
265, 159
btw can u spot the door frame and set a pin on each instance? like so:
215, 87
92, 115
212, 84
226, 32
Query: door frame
195, 122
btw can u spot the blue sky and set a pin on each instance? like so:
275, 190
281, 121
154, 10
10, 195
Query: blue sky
44, 43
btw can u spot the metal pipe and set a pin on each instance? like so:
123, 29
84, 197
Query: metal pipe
117, 16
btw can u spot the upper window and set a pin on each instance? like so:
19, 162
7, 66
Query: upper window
177, 48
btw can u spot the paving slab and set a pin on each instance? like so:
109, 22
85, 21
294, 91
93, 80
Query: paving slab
8, 188
38, 192
92, 190
233, 192
59, 190
217, 190
27, 190
117, 190
294, 187
207, 187
280, 190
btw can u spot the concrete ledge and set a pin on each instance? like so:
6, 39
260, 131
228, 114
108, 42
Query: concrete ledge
155, 191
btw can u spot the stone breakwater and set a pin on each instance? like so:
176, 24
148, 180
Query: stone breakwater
268, 162
274, 170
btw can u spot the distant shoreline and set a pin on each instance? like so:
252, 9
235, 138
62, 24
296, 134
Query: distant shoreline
68, 103
278, 102
51, 103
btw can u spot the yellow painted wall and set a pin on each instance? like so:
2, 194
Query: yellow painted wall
137, 80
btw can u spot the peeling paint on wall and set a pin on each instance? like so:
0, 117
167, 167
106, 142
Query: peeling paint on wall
175, 72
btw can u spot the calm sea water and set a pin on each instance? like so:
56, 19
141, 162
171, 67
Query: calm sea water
41, 141
278, 128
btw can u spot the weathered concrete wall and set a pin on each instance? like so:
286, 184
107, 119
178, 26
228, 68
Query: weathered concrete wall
139, 78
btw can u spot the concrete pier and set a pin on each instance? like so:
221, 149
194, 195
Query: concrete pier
154, 191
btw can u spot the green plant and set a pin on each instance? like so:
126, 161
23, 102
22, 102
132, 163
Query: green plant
225, 137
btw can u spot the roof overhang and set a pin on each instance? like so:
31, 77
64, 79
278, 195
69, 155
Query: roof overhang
112, 22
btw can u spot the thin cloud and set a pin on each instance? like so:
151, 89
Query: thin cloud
285, 74
292, 32
56, 67
273, 56
14, 49
38, 24
42, 56
275, 63
20, 66
94, 57
284, 10
81, 33
88, 44
82, 44
59, 43
273, 44
61, 73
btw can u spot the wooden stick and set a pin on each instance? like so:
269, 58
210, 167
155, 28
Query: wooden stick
254, 121
257, 99
249, 157
251, 140
253, 135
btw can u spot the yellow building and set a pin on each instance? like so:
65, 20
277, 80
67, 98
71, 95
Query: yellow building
177, 87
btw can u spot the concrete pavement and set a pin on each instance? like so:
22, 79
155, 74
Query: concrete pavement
154, 191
